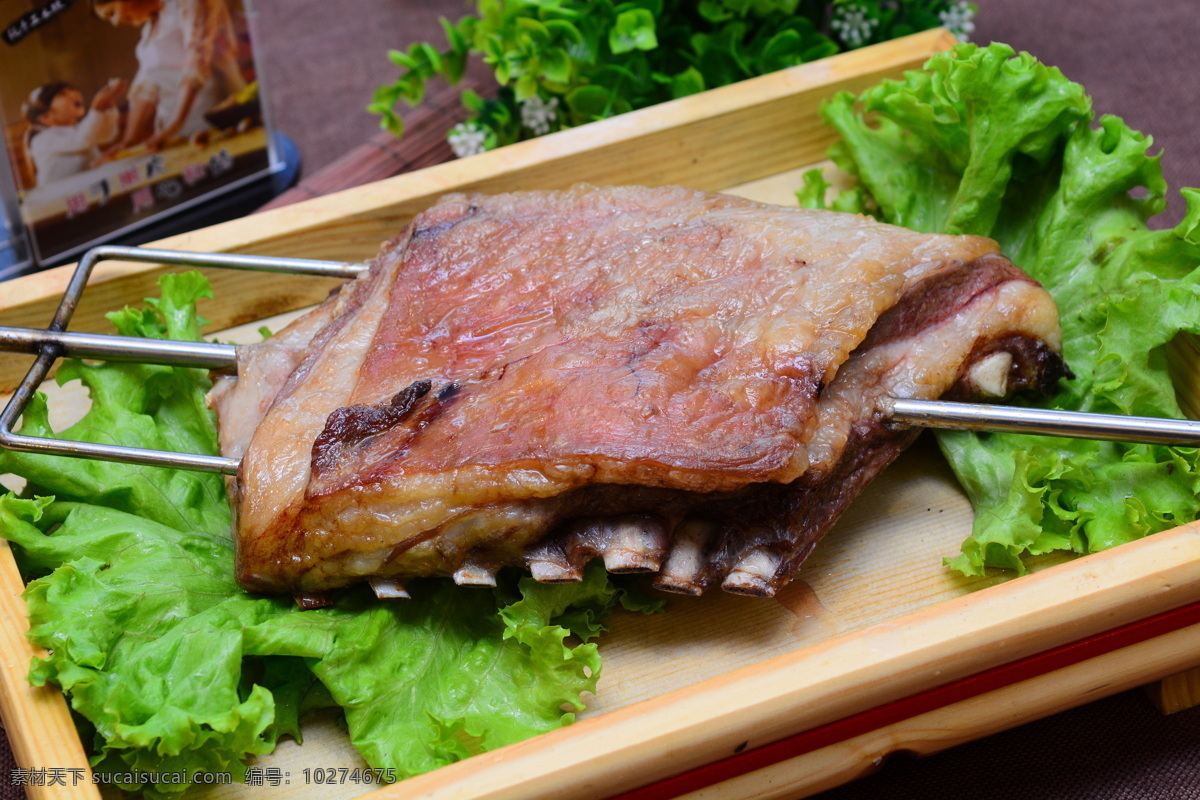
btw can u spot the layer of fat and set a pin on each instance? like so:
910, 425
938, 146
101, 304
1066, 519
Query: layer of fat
925, 366
276, 467
242, 401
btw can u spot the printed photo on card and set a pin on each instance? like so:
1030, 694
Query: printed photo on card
118, 112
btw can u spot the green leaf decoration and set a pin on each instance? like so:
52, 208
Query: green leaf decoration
634, 30
991, 142
641, 52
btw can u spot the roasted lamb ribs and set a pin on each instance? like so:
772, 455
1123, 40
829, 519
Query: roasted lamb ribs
670, 380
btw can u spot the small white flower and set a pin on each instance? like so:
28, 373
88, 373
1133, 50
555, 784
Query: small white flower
852, 24
538, 114
959, 20
467, 139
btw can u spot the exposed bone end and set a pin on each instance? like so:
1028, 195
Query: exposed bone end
634, 544
747, 584
989, 376
475, 574
313, 600
546, 571
627, 561
549, 564
684, 571
669, 583
754, 574
388, 589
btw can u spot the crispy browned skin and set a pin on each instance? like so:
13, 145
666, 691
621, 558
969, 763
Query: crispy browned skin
672, 380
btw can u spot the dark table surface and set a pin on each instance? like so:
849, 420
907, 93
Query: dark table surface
1139, 60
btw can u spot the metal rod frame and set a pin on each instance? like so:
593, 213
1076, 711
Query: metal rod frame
55, 343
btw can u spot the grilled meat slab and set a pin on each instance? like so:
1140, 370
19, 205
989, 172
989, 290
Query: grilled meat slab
674, 381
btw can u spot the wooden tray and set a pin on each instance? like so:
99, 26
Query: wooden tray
874, 648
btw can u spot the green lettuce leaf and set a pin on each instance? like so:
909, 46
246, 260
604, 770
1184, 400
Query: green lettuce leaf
428, 682
179, 670
137, 405
144, 627
986, 141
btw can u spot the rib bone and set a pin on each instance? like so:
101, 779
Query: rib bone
686, 562
388, 589
473, 573
989, 377
754, 574
547, 563
635, 543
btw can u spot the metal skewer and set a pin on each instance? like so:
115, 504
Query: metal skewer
119, 348
54, 343
1046, 422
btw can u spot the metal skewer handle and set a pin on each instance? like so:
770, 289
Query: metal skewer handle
184, 258
54, 343
119, 348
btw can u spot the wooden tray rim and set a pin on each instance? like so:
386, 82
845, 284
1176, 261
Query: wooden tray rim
1065, 606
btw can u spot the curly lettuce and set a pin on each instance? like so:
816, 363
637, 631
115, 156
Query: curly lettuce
178, 670
987, 141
